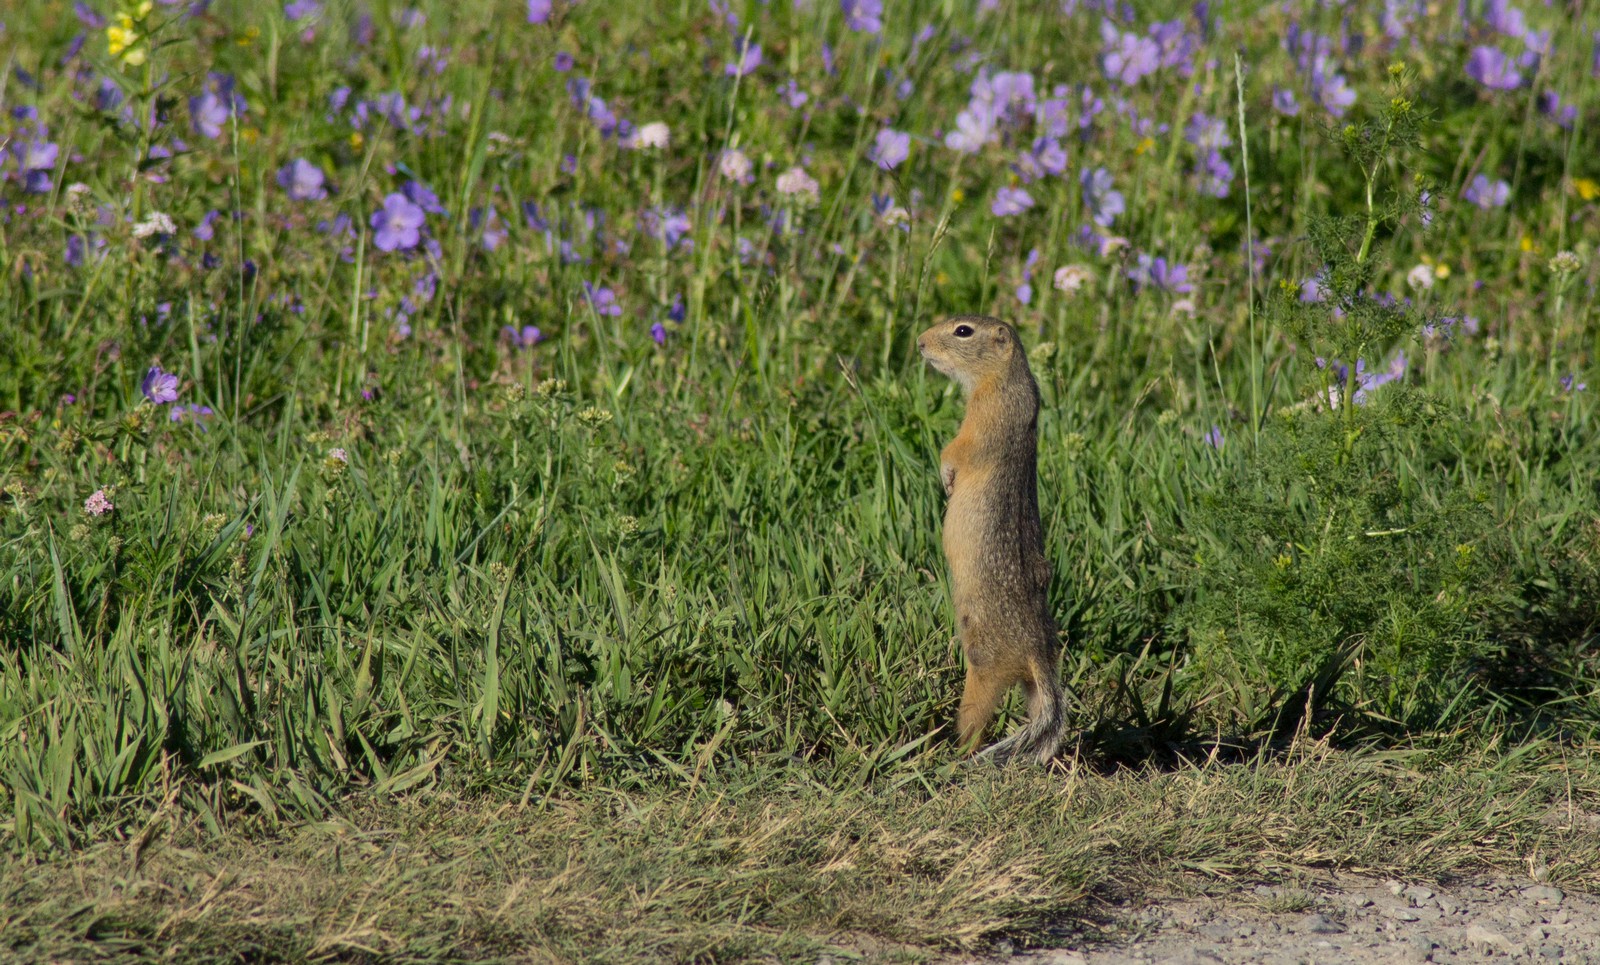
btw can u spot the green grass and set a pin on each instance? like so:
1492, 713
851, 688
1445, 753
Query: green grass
627, 601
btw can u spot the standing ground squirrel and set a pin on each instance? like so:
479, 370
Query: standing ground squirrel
993, 538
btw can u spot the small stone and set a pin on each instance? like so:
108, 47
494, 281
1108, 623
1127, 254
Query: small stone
1400, 914
1551, 952
1266, 891
1418, 894
1320, 925
1004, 949
1217, 931
1447, 904
1061, 956
1488, 939
1544, 894
1395, 888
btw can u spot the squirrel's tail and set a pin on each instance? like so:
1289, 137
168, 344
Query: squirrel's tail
1047, 718
1047, 713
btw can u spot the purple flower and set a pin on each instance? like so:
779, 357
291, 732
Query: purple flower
793, 95
88, 16
1214, 438
213, 107
658, 332
397, 226
746, 58
1333, 92
98, 503
1148, 272
1487, 194
302, 180
158, 386
1562, 114
1049, 156
495, 232
1594, 57
1567, 385
603, 300
677, 310
890, 149
1216, 175
423, 197
668, 224
863, 16
1127, 57
538, 11
196, 414
36, 159
1365, 381
1010, 201
1490, 67
528, 337
297, 10
1505, 19
562, 61
1103, 202
206, 229
1284, 103
975, 127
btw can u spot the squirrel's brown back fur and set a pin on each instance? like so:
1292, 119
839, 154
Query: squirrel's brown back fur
993, 538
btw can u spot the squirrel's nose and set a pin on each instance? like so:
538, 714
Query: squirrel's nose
922, 344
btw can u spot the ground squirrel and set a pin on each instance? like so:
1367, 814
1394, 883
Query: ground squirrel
993, 538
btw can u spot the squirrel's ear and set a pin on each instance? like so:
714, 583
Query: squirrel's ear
1001, 336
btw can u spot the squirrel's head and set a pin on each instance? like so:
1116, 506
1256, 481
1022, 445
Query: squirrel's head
969, 348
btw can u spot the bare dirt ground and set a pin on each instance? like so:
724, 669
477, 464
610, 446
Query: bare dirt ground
1345, 918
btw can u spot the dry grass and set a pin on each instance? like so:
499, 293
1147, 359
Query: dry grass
781, 868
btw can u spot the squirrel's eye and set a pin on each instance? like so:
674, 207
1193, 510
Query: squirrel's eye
963, 331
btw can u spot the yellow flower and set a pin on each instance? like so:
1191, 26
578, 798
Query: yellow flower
1588, 189
1527, 243
1441, 271
143, 10
355, 140
958, 195
1144, 145
122, 38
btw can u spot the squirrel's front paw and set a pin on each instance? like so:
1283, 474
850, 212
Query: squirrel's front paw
948, 474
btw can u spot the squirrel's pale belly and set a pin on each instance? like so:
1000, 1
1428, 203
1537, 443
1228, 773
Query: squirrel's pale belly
973, 538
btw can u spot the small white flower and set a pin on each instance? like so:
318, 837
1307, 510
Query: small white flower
896, 216
1565, 263
156, 224
653, 134
1420, 277
77, 189
797, 181
735, 166
1070, 278
1185, 305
